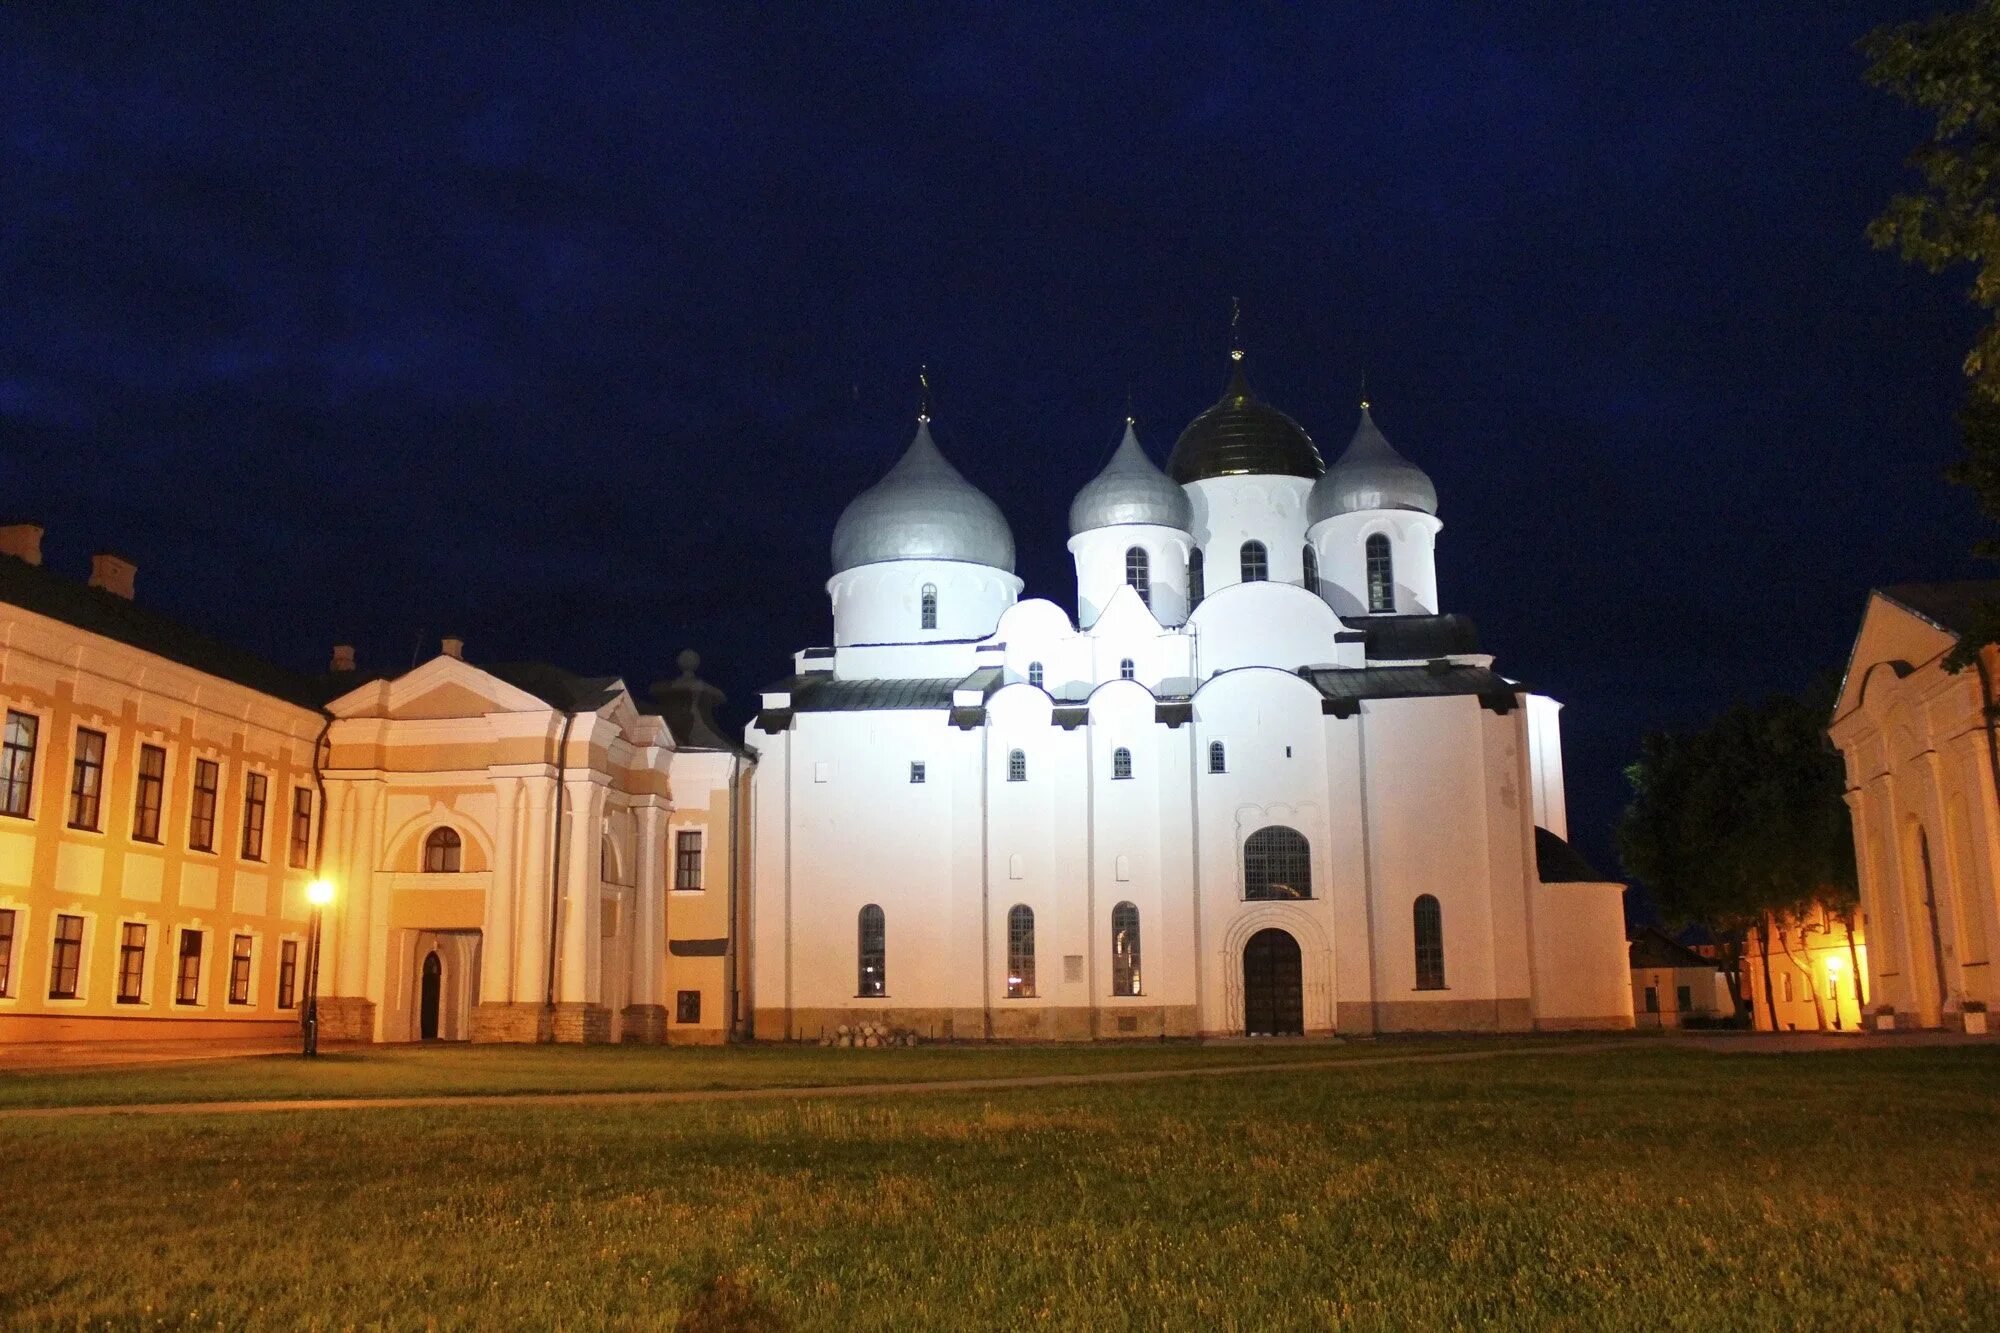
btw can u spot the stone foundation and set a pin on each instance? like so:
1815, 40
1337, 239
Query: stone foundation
581, 1023
346, 1018
1446, 1016
1015, 1022
502, 1022
643, 1023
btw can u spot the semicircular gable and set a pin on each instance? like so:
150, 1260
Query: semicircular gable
1263, 624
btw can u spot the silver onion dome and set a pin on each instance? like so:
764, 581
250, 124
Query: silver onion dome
1370, 475
922, 510
1130, 489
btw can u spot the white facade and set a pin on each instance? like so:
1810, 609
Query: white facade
1311, 819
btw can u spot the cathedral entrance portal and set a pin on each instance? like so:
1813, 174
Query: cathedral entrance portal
1273, 985
433, 991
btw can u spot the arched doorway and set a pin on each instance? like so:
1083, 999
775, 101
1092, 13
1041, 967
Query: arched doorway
427, 1023
1273, 985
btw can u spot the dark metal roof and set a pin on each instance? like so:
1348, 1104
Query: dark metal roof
1346, 688
824, 694
1417, 638
46, 593
1652, 947
1243, 434
1954, 608
1556, 862
554, 686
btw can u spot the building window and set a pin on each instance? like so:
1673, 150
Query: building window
6, 951
17, 764
1312, 570
201, 813
930, 605
687, 860
1429, 921
1218, 758
1138, 573
66, 963
874, 954
444, 852
132, 963
687, 1006
302, 827
1381, 575
288, 973
1121, 763
151, 794
1035, 674
1786, 979
1196, 587
1684, 998
1277, 863
187, 981
1125, 949
1020, 952
1652, 999
239, 969
1017, 766
917, 772
86, 782
1256, 563
1126, 669
256, 799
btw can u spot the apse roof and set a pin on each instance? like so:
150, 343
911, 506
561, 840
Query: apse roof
1417, 638
1556, 862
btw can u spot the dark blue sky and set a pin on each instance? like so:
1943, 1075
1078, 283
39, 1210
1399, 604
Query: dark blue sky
572, 333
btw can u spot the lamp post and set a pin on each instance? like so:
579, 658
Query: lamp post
319, 893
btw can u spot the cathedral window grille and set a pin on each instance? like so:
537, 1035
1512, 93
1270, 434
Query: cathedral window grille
1218, 758
1138, 573
1381, 575
1035, 674
1121, 763
1125, 949
442, 852
1430, 943
1127, 670
874, 953
1017, 766
1312, 570
930, 606
1197, 585
1256, 562
1020, 952
1277, 863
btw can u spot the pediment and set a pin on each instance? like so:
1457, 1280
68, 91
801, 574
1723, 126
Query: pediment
441, 688
1890, 634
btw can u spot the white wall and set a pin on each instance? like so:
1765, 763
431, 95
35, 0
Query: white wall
1229, 511
1100, 568
882, 602
1343, 559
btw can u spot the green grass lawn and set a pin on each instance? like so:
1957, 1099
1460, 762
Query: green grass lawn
1648, 1187
456, 1070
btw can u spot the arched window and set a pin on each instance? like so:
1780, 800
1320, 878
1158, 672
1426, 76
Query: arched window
1218, 758
1430, 943
1125, 949
1017, 766
1196, 584
1256, 563
873, 955
930, 605
607, 860
441, 852
1138, 573
1381, 575
1121, 763
1020, 952
1277, 863
1126, 670
1035, 674
1312, 570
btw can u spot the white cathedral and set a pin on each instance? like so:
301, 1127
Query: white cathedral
1262, 786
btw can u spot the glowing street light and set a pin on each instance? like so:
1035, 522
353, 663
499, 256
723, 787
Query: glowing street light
319, 893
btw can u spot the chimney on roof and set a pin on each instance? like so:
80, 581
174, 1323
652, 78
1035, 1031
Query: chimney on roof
343, 657
23, 541
454, 647
112, 573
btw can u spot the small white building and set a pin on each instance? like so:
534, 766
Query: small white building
1265, 784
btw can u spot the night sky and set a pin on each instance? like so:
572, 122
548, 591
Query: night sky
572, 333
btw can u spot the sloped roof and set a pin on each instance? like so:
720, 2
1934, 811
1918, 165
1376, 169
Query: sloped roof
1952, 607
555, 686
1346, 687
1556, 862
1417, 638
46, 593
1653, 947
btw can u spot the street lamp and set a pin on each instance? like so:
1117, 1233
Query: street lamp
319, 893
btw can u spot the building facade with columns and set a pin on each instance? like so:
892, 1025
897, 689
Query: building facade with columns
1923, 769
1262, 783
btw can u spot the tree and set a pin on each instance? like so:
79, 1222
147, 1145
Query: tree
1743, 822
1949, 68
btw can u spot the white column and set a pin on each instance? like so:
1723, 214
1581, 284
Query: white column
531, 933
357, 893
496, 963
579, 942
649, 934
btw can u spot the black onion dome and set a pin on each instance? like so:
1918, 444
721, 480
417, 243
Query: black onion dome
1243, 434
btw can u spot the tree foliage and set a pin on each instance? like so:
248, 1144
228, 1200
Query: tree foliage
1743, 818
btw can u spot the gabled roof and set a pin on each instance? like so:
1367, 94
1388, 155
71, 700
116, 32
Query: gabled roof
46, 593
1416, 638
1952, 607
556, 687
1556, 862
1346, 687
1653, 947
